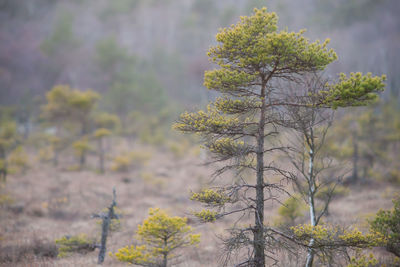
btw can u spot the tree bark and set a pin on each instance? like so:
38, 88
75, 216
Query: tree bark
259, 253
311, 184
82, 160
101, 155
104, 229
354, 177
3, 170
165, 256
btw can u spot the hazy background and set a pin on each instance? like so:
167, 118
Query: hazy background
157, 48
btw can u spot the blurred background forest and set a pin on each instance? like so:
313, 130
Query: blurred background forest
157, 48
131, 66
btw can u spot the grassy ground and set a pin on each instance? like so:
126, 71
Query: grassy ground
48, 203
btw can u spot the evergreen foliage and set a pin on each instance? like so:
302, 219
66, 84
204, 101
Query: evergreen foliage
65, 105
74, 244
9, 139
255, 59
387, 223
161, 236
290, 210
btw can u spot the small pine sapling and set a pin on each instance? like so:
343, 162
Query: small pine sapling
161, 235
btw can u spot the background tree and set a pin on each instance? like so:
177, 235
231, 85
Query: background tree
316, 178
254, 59
131, 84
60, 47
69, 112
81, 148
8, 141
65, 105
106, 124
99, 135
290, 210
368, 137
161, 235
387, 223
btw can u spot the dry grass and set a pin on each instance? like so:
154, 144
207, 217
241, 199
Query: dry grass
49, 203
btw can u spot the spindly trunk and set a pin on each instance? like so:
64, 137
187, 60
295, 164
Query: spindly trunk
82, 159
355, 160
105, 227
3, 169
313, 220
55, 158
101, 155
165, 255
259, 254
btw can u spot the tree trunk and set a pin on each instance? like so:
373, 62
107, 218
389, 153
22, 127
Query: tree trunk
165, 261
313, 221
165, 256
104, 229
101, 155
55, 158
355, 160
3, 170
259, 253
82, 160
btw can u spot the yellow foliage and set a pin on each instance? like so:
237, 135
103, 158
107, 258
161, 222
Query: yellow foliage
8, 135
291, 209
160, 235
6, 200
45, 154
325, 235
211, 197
206, 215
108, 121
363, 261
81, 146
102, 132
19, 160
126, 161
78, 244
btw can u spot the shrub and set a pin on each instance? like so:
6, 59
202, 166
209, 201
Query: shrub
364, 261
74, 244
160, 235
19, 160
45, 154
127, 161
387, 223
291, 209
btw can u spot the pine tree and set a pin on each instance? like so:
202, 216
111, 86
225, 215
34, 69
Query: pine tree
68, 109
387, 223
161, 235
8, 141
255, 60
65, 105
106, 124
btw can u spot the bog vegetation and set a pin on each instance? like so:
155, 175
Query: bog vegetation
285, 140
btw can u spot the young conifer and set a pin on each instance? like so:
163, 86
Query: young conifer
254, 60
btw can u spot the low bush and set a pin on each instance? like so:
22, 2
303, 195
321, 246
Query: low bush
127, 161
75, 244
